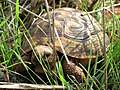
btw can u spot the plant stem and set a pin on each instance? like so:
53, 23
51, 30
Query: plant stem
104, 49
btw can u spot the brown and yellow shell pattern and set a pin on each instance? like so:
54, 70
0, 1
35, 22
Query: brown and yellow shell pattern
79, 32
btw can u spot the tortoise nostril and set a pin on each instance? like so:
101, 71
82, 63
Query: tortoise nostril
47, 55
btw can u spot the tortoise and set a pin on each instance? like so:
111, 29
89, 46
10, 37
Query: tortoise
79, 33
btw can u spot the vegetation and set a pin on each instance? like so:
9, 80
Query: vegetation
14, 23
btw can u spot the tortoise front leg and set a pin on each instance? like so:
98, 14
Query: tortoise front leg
43, 52
72, 69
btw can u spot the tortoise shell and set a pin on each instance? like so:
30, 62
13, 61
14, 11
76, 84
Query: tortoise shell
79, 33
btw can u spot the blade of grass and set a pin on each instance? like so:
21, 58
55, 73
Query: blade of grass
61, 75
3, 22
104, 48
17, 13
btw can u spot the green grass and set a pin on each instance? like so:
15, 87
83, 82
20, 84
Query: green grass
10, 46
